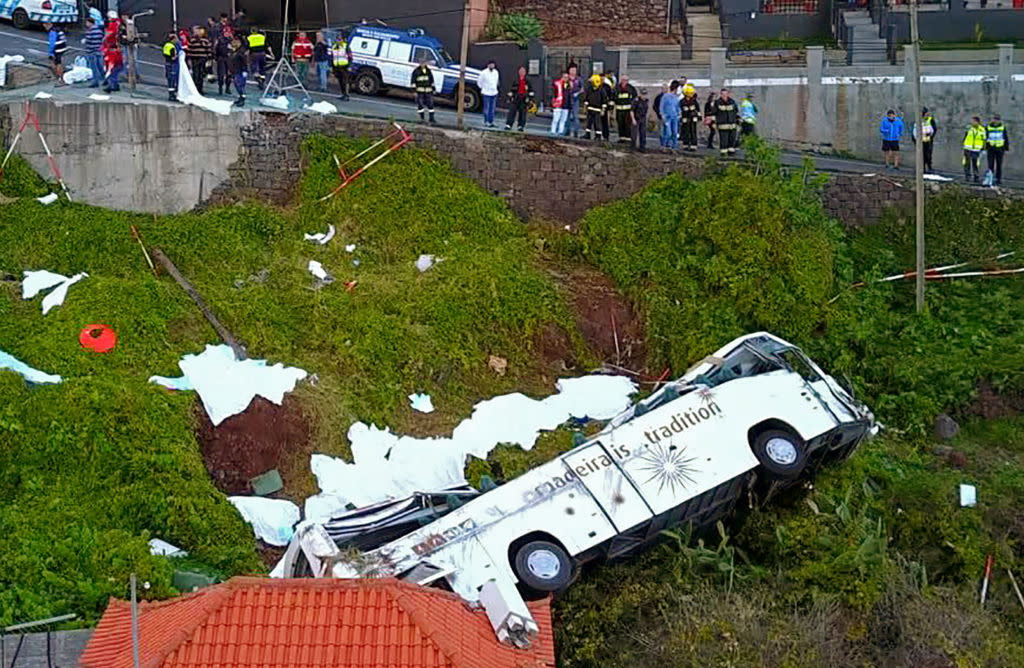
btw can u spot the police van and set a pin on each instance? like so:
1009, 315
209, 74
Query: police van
756, 412
24, 13
385, 58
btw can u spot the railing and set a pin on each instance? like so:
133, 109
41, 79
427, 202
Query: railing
789, 6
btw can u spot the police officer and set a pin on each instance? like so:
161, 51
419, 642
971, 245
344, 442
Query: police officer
726, 115
423, 82
625, 95
341, 55
997, 142
257, 42
974, 142
238, 65
689, 118
170, 51
748, 115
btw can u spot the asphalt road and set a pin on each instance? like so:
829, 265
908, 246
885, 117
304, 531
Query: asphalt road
398, 105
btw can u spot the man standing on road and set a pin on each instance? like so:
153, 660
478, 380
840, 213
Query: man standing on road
257, 55
113, 60
302, 53
93, 42
341, 56
519, 96
929, 128
595, 100
199, 52
726, 117
559, 104
57, 44
974, 143
748, 115
322, 60
709, 118
689, 119
670, 117
625, 95
572, 125
891, 131
221, 56
997, 142
238, 64
170, 51
489, 81
640, 121
423, 83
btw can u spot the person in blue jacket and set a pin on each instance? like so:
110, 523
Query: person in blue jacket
891, 131
669, 109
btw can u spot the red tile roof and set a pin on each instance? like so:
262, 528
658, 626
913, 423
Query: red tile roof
261, 622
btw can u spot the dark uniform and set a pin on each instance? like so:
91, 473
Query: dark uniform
928, 139
517, 104
726, 118
997, 142
170, 51
198, 53
624, 98
257, 42
689, 119
221, 53
238, 64
595, 100
341, 54
640, 126
423, 82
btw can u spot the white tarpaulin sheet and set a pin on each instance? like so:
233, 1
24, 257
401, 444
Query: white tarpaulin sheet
35, 282
32, 375
388, 466
323, 107
272, 520
227, 385
187, 93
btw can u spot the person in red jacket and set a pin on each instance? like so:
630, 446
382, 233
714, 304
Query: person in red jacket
302, 53
113, 61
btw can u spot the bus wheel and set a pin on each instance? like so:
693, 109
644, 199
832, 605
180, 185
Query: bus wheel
781, 453
543, 566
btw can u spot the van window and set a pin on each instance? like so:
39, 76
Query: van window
364, 46
421, 52
741, 363
796, 361
399, 51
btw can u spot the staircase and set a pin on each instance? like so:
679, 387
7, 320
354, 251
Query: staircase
707, 32
863, 45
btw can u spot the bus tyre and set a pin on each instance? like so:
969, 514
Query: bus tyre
782, 454
368, 83
20, 18
543, 567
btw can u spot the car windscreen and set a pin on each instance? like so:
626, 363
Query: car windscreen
743, 362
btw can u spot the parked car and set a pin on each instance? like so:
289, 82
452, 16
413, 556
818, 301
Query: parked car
24, 13
384, 58
758, 409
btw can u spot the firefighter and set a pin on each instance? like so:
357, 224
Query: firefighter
608, 84
726, 115
257, 42
423, 82
595, 99
341, 55
690, 117
238, 65
170, 51
974, 142
625, 95
748, 115
997, 142
929, 128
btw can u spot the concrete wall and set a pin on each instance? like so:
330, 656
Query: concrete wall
958, 24
137, 157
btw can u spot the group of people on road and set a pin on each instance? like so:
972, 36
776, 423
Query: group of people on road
993, 139
680, 112
105, 44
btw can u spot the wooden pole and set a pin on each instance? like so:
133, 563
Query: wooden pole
463, 54
221, 330
918, 158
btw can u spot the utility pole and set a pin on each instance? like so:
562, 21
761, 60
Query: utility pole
463, 54
918, 158
135, 625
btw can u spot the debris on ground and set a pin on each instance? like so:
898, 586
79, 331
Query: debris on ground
262, 276
228, 385
47, 199
968, 496
28, 373
97, 338
41, 281
382, 148
319, 272
41, 95
272, 520
350, 248
390, 466
323, 107
99, 97
267, 483
279, 102
321, 237
498, 365
421, 402
424, 262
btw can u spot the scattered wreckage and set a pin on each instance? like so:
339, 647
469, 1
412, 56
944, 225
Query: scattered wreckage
758, 409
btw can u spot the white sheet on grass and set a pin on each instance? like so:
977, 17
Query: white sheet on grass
35, 282
388, 466
227, 385
321, 237
187, 93
47, 199
30, 374
272, 520
3, 66
421, 402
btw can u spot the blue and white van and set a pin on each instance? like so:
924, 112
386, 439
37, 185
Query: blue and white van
385, 58
24, 13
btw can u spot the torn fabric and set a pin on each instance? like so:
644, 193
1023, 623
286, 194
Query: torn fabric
187, 93
318, 270
227, 385
35, 282
28, 373
321, 237
389, 466
272, 520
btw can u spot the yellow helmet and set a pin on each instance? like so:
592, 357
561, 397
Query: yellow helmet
688, 90
596, 80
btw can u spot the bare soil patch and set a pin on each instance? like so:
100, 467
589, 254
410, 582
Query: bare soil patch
605, 318
990, 404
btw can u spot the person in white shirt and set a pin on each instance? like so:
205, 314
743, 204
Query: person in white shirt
488, 83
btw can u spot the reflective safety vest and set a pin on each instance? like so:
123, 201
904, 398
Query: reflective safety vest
996, 135
624, 99
748, 112
974, 140
170, 51
339, 54
927, 128
424, 81
257, 42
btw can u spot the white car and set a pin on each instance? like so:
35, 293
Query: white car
757, 409
24, 13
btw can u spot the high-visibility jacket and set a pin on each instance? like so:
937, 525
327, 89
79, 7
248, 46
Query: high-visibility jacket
928, 128
995, 135
974, 140
170, 52
624, 97
339, 54
423, 80
257, 42
748, 111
